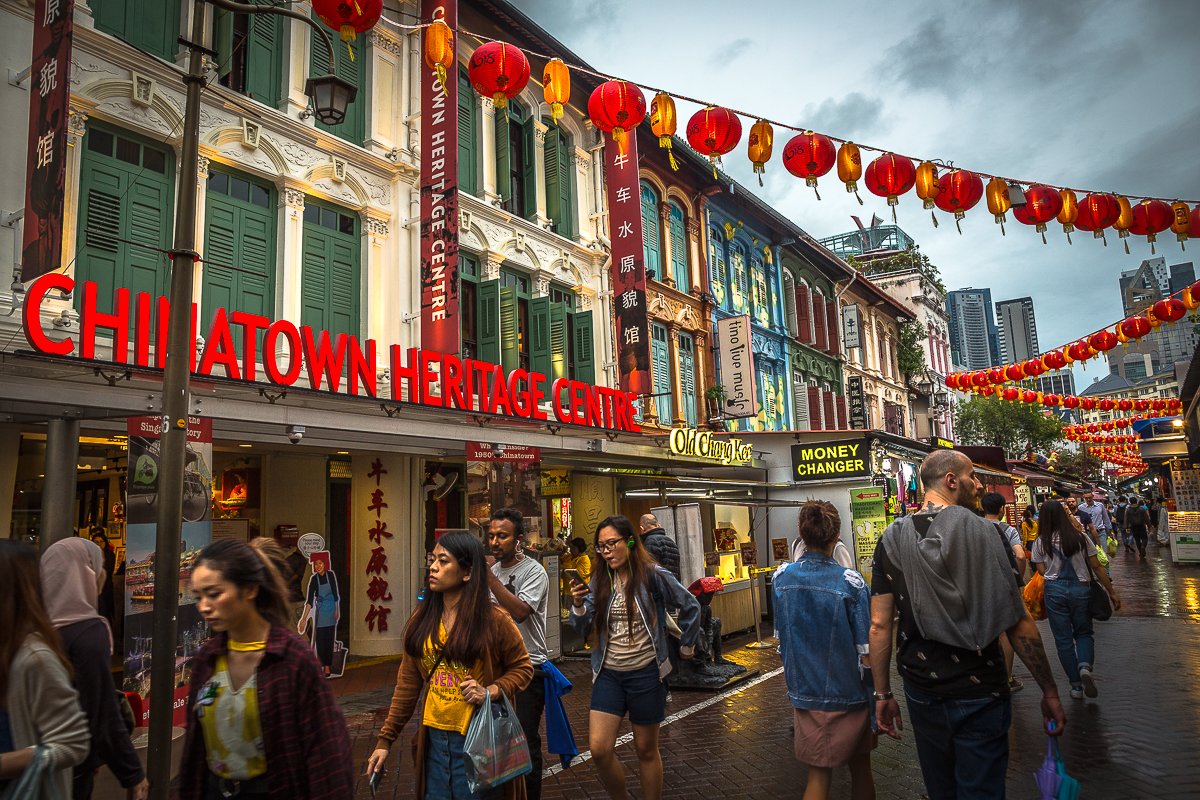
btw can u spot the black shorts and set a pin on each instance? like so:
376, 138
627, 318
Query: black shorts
640, 693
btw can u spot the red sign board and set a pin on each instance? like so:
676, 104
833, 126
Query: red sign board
440, 326
623, 190
49, 103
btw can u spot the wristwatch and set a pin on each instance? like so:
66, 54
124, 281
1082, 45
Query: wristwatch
884, 696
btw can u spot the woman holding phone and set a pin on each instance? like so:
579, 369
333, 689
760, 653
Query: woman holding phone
458, 648
626, 604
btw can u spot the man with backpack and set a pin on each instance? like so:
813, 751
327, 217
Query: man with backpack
1137, 519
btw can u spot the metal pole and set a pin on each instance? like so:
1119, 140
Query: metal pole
58, 487
173, 442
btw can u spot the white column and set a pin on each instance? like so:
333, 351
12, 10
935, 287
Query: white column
205, 314
295, 67
378, 285
539, 171
291, 251
76, 126
487, 150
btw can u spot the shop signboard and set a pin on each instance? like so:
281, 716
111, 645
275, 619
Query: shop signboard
840, 458
1185, 481
440, 324
703, 444
868, 513
46, 159
737, 367
1184, 527
299, 356
851, 326
937, 441
141, 542
505, 476
857, 402
628, 272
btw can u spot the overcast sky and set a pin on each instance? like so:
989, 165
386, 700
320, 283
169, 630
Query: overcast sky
1093, 95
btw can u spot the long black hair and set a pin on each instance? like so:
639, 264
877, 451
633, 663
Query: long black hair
260, 564
472, 632
1055, 519
641, 572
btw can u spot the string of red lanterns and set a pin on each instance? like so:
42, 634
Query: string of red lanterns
1013, 394
716, 130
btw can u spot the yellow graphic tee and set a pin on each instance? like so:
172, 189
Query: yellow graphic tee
231, 727
445, 708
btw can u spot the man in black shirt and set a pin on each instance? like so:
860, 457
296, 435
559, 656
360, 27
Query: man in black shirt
958, 697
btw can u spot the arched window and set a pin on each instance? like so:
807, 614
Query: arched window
651, 240
679, 249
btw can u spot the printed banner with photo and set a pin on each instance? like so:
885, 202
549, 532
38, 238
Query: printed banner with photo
503, 477
141, 508
322, 610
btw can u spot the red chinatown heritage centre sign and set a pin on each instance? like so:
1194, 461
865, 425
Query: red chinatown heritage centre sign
339, 364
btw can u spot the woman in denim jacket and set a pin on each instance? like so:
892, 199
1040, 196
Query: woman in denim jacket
627, 604
823, 613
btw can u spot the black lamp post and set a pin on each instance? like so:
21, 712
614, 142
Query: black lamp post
330, 96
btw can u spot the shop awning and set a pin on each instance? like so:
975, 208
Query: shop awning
989, 475
1032, 476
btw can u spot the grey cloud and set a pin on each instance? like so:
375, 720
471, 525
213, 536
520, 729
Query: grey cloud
731, 51
853, 115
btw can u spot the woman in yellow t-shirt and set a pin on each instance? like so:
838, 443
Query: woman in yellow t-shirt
1029, 528
457, 646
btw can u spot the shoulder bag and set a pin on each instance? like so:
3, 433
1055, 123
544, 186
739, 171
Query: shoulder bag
1099, 603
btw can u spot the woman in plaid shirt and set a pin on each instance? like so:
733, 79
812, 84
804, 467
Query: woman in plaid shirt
263, 722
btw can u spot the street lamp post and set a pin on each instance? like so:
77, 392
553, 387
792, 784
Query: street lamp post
330, 96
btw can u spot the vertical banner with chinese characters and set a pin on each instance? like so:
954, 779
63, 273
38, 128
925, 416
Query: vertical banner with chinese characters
857, 402
628, 269
46, 173
440, 330
375, 583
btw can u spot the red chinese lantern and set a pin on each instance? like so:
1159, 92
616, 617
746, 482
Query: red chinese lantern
1087, 403
1042, 204
1135, 327
1107, 426
1121, 423
952, 381
1150, 218
1054, 360
1191, 295
890, 176
988, 391
995, 376
849, 167
1093, 428
1080, 351
1125, 405
663, 123
1141, 405
1103, 341
617, 107
1070, 401
1011, 393
1051, 400
498, 70
1158, 405
979, 378
1181, 222
1014, 372
1097, 211
713, 132
759, 146
1033, 367
1170, 309
961, 190
1029, 396
349, 17
1105, 405
809, 155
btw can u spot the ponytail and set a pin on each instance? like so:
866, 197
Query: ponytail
258, 564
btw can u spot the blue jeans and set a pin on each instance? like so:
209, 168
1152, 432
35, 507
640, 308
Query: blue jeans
1071, 624
962, 744
445, 769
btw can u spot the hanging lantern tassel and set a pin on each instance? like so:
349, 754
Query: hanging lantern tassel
665, 142
933, 216
958, 218
348, 34
811, 180
894, 201
619, 136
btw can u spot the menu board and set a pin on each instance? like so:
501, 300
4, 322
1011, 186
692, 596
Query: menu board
1185, 477
1184, 527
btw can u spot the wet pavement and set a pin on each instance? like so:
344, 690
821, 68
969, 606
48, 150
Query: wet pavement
1137, 740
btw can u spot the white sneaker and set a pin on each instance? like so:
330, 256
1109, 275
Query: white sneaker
1088, 681
1076, 693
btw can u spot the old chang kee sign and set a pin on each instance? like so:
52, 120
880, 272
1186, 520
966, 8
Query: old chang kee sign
691, 442
340, 364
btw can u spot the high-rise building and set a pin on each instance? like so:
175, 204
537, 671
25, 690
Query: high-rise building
1018, 330
1060, 383
974, 343
1140, 288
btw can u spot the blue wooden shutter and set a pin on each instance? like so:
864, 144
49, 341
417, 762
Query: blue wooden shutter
679, 250
510, 344
558, 340
650, 236
539, 317
468, 127
687, 377
488, 299
583, 358
660, 356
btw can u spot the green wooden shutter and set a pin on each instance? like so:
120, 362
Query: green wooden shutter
679, 249
223, 40
239, 256
650, 237
264, 59
558, 341
353, 127
468, 126
529, 173
314, 275
554, 205
149, 25
687, 377
488, 300
539, 316
510, 345
503, 168
660, 357
330, 277
582, 351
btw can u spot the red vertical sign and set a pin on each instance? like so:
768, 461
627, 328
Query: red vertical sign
628, 266
46, 174
439, 197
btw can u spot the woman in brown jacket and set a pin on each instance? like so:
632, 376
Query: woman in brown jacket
457, 646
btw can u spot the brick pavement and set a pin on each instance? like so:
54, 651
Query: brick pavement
1137, 740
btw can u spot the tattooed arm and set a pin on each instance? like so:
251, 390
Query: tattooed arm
1027, 643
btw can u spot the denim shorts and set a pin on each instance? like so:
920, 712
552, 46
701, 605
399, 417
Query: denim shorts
640, 693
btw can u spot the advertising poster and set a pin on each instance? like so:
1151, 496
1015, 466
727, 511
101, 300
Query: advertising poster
623, 191
737, 367
46, 173
321, 613
504, 477
868, 514
141, 508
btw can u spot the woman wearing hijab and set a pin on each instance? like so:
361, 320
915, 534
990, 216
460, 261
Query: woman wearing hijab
73, 574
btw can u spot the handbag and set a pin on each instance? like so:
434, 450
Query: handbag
1111, 547
495, 749
1099, 603
1035, 596
1102, 557
36, 781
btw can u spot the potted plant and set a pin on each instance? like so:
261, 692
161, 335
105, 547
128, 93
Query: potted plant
714, 397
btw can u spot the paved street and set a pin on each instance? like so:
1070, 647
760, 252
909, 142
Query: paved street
1137, 740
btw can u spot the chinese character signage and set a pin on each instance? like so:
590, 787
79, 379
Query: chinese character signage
737, 367
439, 197
375, 581
851, 326
857, 402
628, 269
46, 173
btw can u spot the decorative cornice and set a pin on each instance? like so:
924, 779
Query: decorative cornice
386, 42
376, 227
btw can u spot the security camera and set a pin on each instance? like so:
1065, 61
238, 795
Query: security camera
295, 433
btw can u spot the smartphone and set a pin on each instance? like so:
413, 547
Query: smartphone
572, 575
376, 777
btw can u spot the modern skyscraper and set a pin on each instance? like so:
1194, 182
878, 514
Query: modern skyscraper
974, 343
1140, 288
1018, 330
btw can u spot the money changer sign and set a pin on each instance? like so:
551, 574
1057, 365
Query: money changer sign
691, 442
847, 458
